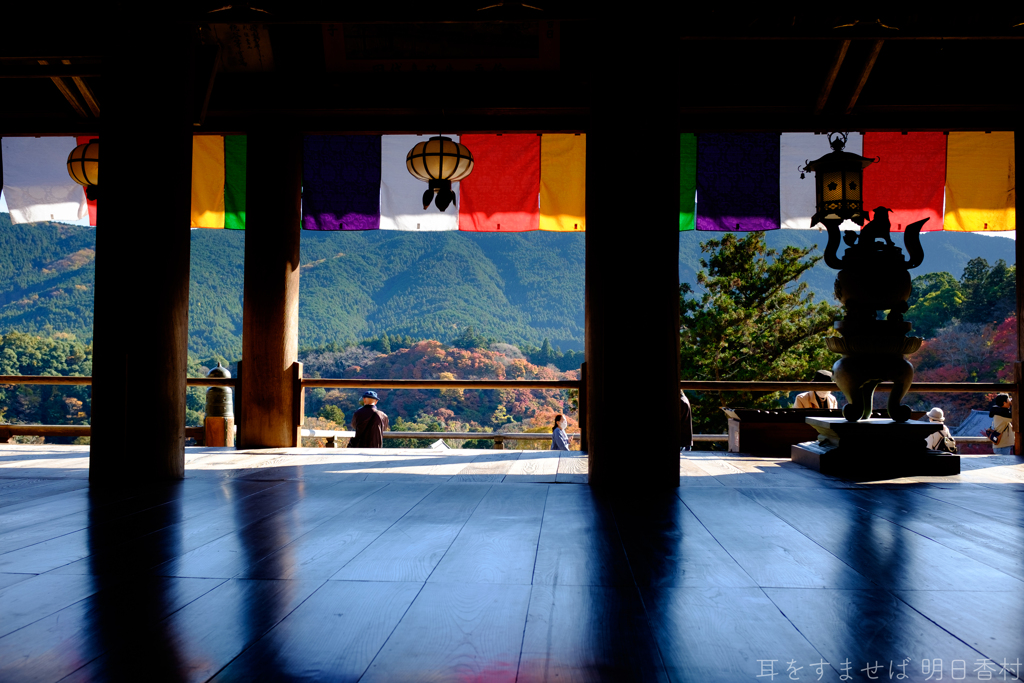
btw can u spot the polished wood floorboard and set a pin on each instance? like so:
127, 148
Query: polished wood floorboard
411, 565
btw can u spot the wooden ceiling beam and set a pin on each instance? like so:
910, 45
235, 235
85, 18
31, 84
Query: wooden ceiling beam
87, 94
830, 77
46, 70
865, 72
68, 94
739, 119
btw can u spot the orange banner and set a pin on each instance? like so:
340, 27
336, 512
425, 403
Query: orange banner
980, 182
208, 181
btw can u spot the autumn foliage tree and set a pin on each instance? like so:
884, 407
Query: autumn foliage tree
444, 410
750, 319
965, 352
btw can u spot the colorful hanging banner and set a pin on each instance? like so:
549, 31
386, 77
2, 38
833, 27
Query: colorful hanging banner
980, 179
81, 140
563, 183
341, 182
401, 194
235, 147
36, 183
738, 182
502, 193
687, 181
909, 177
796, 194
208, 181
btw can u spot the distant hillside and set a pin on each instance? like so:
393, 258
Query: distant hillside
46, 278
943, 251
519, 288
515, 288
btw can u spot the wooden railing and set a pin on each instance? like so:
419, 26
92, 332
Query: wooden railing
533, 384
498, 438
689, 385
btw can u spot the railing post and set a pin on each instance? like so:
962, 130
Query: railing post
499, 443
298, 402
582, 409
1018, 378
239, 403
1018, 250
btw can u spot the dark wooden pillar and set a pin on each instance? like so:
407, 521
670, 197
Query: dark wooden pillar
1018, 152
140, 326
270, 316
632, 254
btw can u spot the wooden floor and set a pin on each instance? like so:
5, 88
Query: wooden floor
404, 566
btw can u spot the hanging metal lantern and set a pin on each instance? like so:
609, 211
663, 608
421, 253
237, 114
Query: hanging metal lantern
838, 184
84, 167
439, 162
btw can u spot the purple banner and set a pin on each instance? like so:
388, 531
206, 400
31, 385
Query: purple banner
341, 182
738, 182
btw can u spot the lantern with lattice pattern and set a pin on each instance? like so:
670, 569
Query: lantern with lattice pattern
439, 162
84, 167
838, 184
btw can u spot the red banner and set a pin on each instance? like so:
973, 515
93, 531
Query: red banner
909, 177
81, 140
502, 194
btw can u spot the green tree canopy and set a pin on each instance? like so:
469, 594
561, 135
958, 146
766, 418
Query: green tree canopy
750, 321
989, 293
936, 299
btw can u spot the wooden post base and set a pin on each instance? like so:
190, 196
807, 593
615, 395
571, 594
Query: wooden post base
219, 431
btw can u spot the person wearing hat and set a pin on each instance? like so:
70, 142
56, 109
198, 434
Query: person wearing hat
818, 399
369, 424
1002, 424
937, 440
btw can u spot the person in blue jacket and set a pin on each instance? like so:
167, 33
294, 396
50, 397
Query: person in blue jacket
559, 439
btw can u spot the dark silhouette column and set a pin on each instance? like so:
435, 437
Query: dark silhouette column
632, 281
270, 316
140, 328
1018, 367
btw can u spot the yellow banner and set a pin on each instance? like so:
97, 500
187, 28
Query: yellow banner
208, 181
979, 182
563, 183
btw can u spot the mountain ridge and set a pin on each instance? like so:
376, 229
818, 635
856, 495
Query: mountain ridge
519, 288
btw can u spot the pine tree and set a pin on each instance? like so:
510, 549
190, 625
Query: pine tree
385, 343
752, 321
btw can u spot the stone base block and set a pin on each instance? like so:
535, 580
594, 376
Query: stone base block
869, 466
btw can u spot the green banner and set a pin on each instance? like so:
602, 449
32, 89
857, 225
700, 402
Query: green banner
234, 181
687, 181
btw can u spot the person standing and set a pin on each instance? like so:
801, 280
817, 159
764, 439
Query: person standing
1002, 424
937, 440
685, 423
559, 439
818, 399
369, 424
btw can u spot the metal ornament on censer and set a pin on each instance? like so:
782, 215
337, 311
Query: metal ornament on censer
873, 276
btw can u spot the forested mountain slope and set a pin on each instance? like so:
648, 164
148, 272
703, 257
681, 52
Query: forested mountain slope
517, 288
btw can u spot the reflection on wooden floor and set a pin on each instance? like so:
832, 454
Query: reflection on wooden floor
334, 464
409, 566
